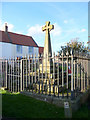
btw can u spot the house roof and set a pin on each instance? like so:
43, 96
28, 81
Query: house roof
88, 42
18, 39
41, 50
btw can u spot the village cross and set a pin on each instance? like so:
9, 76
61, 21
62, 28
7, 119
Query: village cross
47, 45
47, 27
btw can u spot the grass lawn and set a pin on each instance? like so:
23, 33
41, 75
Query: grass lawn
21, 106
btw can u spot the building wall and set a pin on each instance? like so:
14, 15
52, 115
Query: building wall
89, 43
8, 50
0, 50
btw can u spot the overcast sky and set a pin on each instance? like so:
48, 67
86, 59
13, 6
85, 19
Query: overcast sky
70, 20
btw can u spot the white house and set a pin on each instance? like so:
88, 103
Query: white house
16, 45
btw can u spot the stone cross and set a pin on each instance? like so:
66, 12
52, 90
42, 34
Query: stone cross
47, 44
48, 27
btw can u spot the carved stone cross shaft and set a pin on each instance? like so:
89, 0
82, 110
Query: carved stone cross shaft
47, 46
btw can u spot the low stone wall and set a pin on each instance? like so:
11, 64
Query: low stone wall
74, 104
81, 99
51, 99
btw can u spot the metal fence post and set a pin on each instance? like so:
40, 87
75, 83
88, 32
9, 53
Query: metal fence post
35, 73
84, 75
38, 74
42, 73
54, 72
2, 73
35, 68
81, 77
77, 73
58, 75
29, 70
87, 76
26, 72
67, 68
32, 72
62, 71
11, 74
6, 72
21, 74
16, 75
74, 76
72, 94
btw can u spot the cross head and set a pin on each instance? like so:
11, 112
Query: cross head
48, 27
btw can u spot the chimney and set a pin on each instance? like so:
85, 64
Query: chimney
6, 27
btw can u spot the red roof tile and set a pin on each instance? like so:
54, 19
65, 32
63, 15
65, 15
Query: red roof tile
15, 38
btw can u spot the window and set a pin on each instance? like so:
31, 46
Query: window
30, 49
19, 49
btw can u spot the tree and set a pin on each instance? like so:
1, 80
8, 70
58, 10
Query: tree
78, 47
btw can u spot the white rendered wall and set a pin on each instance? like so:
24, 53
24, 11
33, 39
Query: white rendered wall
8, 50
36, 51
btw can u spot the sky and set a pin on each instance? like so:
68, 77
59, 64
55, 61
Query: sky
70, 20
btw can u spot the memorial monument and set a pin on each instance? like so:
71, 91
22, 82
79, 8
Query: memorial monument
47, 47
